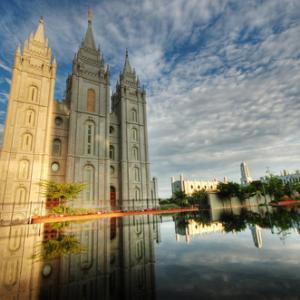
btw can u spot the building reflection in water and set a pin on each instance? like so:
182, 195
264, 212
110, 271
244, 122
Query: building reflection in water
104, 259
279, 221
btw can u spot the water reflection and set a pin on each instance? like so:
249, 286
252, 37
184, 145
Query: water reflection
279, 220
230, 252
105, 259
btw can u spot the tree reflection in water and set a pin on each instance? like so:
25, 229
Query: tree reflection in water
281, 220
57, 243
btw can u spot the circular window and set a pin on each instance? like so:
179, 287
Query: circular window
55, 167
58, 121
47, 269
111, 129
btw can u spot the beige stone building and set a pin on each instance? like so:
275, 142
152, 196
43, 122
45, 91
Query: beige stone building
88, 137
191, 186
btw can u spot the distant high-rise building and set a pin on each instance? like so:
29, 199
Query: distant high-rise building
256, 235
245, 174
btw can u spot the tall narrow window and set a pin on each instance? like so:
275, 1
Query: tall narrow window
135, 153
56, 147
33, 93
27, 142
111, 152
29, 118
134, 134
91, 100
136, 174
134, 115
88, 178
137, 194
89, 137
23, 169
20, 195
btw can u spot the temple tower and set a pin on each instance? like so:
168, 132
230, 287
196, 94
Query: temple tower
26, 147
88, 95
245, 174
129, 106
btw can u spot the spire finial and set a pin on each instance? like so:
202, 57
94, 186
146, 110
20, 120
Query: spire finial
90, 16
127, 67
39, 35
126, 53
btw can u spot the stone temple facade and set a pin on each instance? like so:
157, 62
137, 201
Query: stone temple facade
90, 136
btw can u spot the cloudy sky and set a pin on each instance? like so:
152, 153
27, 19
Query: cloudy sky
222, 77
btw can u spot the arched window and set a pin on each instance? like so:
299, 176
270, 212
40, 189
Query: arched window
139, 249
134, 115
27, 142
88, 178
135, 153
90, 103
23, 169
134, 134
20, 195
136, 174
111, 152
137, 194
29, 118
89, 137
56, 147
138, 224
112, 170
33, 93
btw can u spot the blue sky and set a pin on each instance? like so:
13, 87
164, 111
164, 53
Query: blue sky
222, 77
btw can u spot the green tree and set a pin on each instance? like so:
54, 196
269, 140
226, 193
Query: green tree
228, 190
62, 191
199, 198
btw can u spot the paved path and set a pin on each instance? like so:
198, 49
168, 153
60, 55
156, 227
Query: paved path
112, 214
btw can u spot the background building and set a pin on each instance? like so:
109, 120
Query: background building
191, 186
245, 174
79, 139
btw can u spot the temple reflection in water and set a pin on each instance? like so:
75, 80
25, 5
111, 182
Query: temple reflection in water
104, 259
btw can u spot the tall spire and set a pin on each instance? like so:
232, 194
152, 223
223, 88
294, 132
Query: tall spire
127, 67
89, 40
39, 35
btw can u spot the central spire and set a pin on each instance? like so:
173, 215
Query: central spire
89, 40
39, 35
127, 67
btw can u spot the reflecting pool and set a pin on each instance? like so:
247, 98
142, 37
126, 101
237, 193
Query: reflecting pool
213, 254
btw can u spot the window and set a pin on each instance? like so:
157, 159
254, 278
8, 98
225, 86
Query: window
138, 225
20, 195
58, 121
111, 152
111, 129
90, 100
56, 147
137, 194
112, 170
139, 249
192, 187
135, 153
89, 137
88, 177
29, 118
134, 134
136, 174
134, 115
23, 169
33, 93
27, 142
55, 167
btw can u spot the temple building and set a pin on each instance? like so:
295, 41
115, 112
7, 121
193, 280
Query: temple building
90, 136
